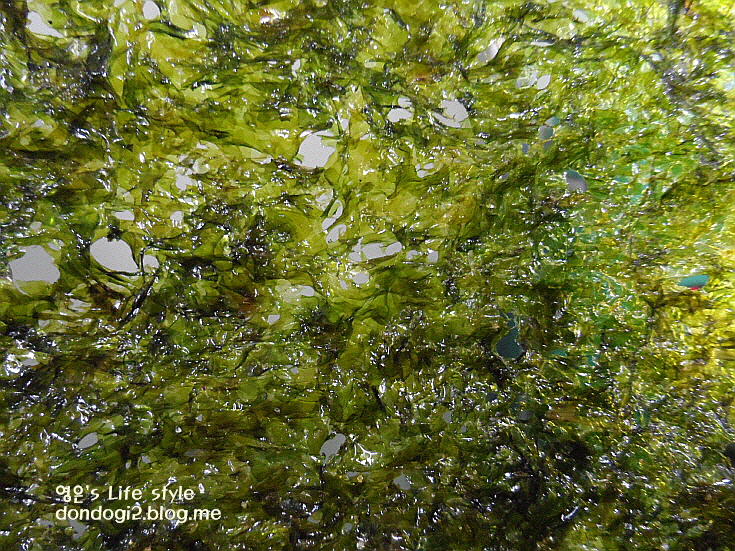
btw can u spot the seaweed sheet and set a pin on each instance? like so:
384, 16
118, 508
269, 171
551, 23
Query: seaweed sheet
366, 275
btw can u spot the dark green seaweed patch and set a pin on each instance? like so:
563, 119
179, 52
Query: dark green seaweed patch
321, 350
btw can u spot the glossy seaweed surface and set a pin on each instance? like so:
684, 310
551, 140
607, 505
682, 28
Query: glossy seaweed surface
490, 307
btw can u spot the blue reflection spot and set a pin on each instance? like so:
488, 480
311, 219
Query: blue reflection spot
508, 346
695, 282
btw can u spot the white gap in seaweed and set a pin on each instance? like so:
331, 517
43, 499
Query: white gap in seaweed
323, 200
115, 255
356, 254
372, 251
545, 132
581, 16
543, 82
151, 10
35, 265
78, 528
150, 261
306, 291
125, 215
334, 217
313, 519
336, 232
37, 25
88, 440
527, 78
454, 113
360, 278
331, 447
575, 181
273, 318
402, 482
79, 305
491, 51
399, 114
394, 248
376, 250
177, 218
183, 180
313, 152
421, 172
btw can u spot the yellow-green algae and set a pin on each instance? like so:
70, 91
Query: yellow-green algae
251, 335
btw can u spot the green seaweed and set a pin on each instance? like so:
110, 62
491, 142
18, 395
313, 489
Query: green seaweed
277, 305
